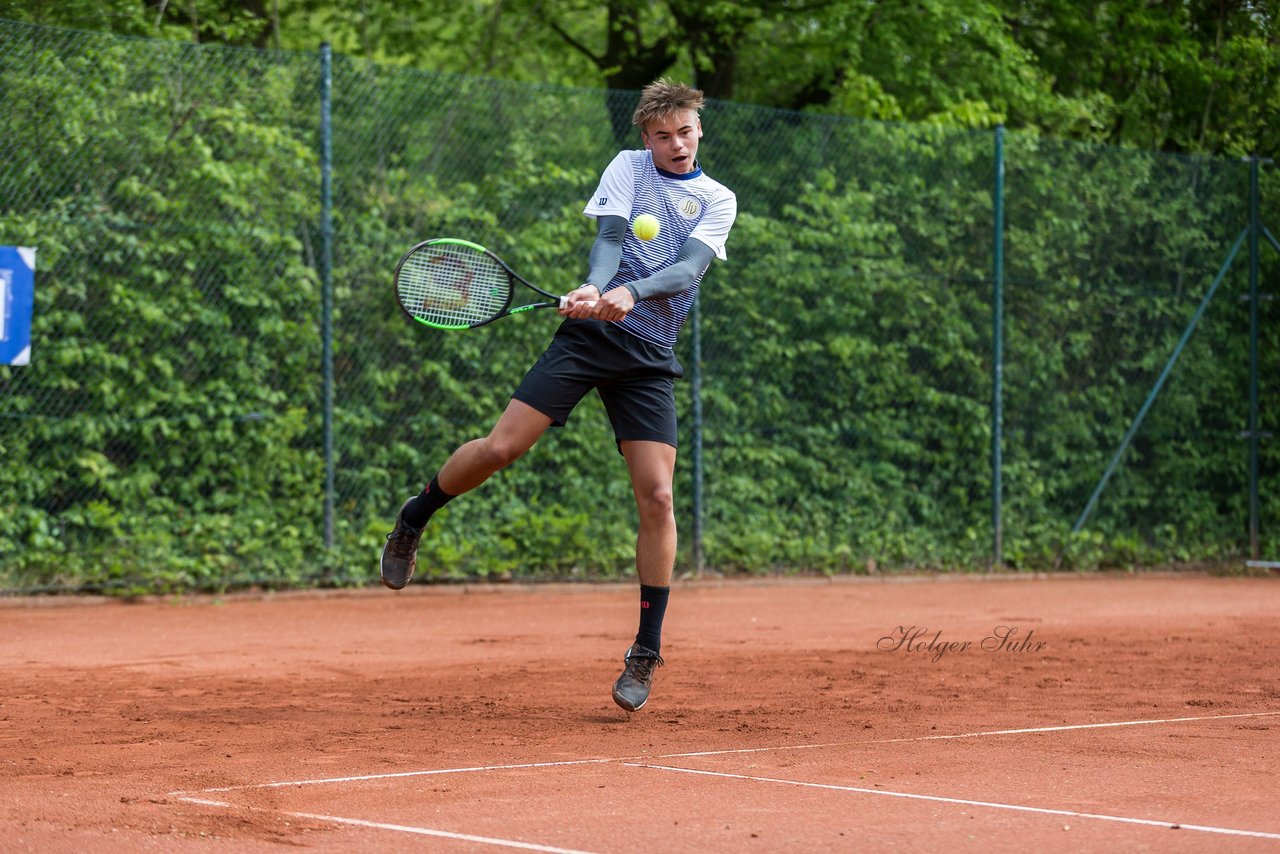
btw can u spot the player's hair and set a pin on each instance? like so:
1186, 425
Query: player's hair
661, 98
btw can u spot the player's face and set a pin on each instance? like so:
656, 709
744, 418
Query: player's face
673, 140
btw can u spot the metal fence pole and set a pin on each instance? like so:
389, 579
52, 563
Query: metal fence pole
997, 358
699, 555
1255, 229
326, 275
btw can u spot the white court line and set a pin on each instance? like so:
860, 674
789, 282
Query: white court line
633, 762
964, 802
402, 828
392, 776
1084, 726
728, 752
982, 734
202, 801
443, 834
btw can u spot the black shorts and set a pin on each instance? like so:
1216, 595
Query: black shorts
634, 378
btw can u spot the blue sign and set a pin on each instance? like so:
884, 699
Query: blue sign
17, 298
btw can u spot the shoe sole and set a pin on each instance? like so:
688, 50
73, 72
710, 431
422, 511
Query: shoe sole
385, 582
627, 707
383, 556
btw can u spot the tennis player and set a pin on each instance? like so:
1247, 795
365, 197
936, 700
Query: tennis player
618, 337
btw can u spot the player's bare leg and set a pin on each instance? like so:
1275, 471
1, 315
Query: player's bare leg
519, 427
475, 462
652, 466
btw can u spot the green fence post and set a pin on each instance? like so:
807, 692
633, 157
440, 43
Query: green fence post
1255, 228
699, 556
326, 275
997, 358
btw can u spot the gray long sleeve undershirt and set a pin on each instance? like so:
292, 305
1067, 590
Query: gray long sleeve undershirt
606, 255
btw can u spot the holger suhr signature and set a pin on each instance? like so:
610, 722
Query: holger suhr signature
918, 639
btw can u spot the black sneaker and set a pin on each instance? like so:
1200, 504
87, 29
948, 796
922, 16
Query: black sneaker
631, 691
400, 554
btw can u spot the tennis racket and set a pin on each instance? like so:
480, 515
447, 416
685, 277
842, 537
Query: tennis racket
455, 284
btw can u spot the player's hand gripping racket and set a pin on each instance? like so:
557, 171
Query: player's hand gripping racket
455, 284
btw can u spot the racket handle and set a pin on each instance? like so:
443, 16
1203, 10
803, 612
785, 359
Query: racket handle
564, 302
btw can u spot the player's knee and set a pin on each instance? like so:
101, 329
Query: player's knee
498, 453
657, 503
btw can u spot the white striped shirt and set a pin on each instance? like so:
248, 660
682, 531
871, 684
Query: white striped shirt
690, 205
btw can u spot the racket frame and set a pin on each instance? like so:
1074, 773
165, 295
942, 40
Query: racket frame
512, 278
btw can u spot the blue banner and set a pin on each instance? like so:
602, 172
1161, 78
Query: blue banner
17, 299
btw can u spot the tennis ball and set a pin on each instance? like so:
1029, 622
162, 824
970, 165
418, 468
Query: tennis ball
646, 226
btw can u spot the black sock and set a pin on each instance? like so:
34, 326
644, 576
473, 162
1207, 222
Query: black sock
420, 508
653, 606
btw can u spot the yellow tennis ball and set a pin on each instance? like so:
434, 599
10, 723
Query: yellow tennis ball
646, 226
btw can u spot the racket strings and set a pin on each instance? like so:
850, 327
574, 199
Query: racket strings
447, 284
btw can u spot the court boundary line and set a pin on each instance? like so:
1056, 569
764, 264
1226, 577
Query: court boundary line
649, 762
182, 794
443, 834
359, 778
1171, 825
400, 828
978, 734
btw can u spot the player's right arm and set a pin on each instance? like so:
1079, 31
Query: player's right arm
603, 263
606, 251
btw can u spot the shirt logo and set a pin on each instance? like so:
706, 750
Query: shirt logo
689, 207
602, 201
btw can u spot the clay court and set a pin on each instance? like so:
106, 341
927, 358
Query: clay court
1132, 713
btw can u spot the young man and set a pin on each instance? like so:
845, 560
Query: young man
617, 337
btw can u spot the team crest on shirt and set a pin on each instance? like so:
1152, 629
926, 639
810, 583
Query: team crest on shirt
689, 207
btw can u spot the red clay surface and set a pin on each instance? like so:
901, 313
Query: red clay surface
479, 719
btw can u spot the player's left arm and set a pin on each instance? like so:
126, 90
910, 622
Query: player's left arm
693, 260
678, 276
705, 244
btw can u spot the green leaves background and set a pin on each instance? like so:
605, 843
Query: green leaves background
168, 432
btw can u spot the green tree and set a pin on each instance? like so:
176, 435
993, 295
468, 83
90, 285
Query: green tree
1177, 75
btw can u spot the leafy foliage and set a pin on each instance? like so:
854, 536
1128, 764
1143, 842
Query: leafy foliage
169, 429
1176, 75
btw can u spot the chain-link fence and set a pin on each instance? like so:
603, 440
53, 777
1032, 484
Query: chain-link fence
841, 407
